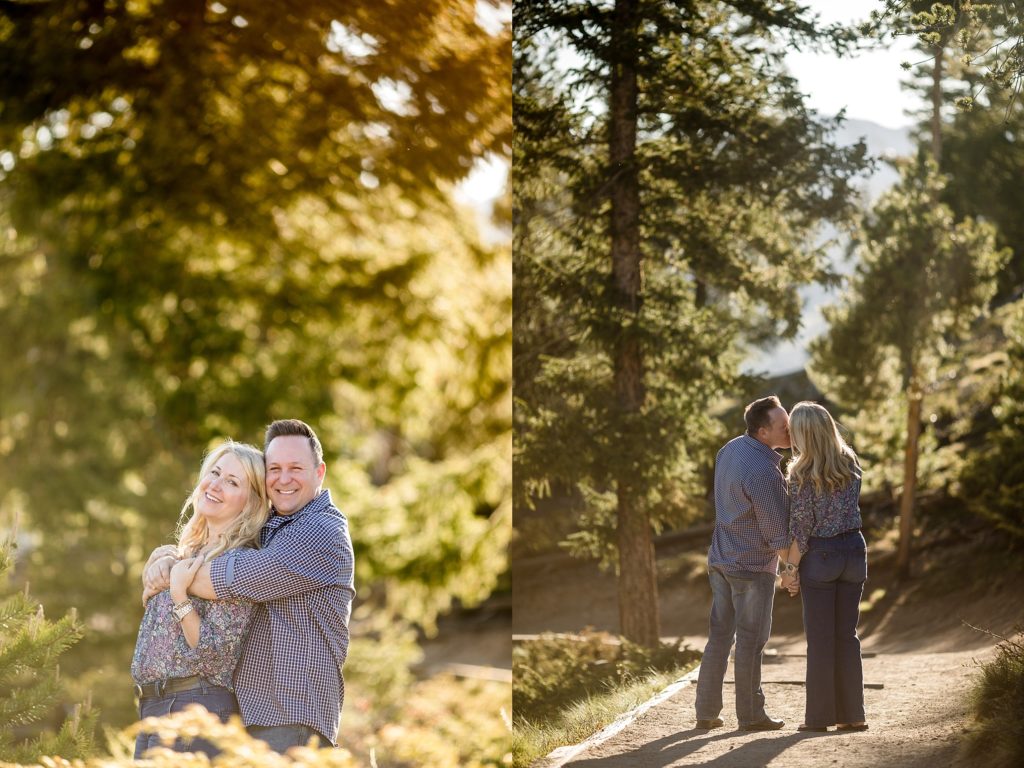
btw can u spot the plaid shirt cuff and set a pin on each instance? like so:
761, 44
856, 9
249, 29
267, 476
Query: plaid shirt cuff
222, 574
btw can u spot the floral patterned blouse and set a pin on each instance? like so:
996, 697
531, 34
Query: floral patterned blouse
162, 652
827, 514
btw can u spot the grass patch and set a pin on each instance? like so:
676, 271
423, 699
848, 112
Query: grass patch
997, 738
568, 687
586, 717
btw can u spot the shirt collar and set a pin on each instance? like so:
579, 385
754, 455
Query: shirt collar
759, 446
318, 503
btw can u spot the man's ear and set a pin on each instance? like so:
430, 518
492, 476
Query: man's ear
321, 471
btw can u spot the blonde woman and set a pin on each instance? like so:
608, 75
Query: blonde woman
827, 563
188, 647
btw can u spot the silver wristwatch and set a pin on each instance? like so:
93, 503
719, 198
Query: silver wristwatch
182, 609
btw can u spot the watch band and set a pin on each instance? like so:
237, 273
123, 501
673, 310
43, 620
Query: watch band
182, 609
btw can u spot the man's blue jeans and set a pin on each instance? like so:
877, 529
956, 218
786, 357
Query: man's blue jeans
284, 737
741, 609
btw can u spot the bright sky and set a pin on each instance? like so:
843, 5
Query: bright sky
867, 85
486, 181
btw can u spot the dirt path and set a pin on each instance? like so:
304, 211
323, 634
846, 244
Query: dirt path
925, 656
916, 721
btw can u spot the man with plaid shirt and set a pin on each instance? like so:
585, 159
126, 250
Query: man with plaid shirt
289, 681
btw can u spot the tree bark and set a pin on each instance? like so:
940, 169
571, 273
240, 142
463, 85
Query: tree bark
936, 122
909, 481
638, 590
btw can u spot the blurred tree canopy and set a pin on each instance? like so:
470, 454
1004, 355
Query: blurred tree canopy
213, 214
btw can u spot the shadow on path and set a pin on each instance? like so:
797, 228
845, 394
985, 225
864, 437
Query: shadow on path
674, 748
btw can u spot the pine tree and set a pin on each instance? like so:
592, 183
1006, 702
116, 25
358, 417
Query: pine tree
979, 44
30, 688
930, 282
921, 278
654, 234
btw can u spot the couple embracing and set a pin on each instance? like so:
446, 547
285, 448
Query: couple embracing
804, 525
248, 613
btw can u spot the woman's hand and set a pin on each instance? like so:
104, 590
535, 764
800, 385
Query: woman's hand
791, 583
157, 571
182, 575
794, 586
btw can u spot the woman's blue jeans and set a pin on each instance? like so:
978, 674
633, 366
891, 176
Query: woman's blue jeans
217, 699
741, 609
832, 576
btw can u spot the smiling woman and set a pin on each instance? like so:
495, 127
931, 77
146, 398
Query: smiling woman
187, 648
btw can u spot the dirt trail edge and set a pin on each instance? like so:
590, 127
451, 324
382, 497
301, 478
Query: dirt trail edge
916, 721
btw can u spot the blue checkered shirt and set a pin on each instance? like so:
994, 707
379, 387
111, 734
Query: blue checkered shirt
302, 578
751, 508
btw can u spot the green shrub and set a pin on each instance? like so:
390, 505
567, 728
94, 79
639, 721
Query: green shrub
998, 703
30, 688
992, 482
448, 723
555, 671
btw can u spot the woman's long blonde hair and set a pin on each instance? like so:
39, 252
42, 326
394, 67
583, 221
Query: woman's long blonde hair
820, 455
244, 531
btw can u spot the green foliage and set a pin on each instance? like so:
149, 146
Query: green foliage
984, 39
553, 672
735, 176
236, 747
30, 646
448, 722
992, 482
982, 157
921, 278
532, 740
978, 68
997, 738
434, 737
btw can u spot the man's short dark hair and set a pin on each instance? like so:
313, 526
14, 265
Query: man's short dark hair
285, 427
759, 413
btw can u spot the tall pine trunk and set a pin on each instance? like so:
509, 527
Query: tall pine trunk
909, 479
638, 589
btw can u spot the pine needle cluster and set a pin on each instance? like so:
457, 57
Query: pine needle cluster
30, 685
